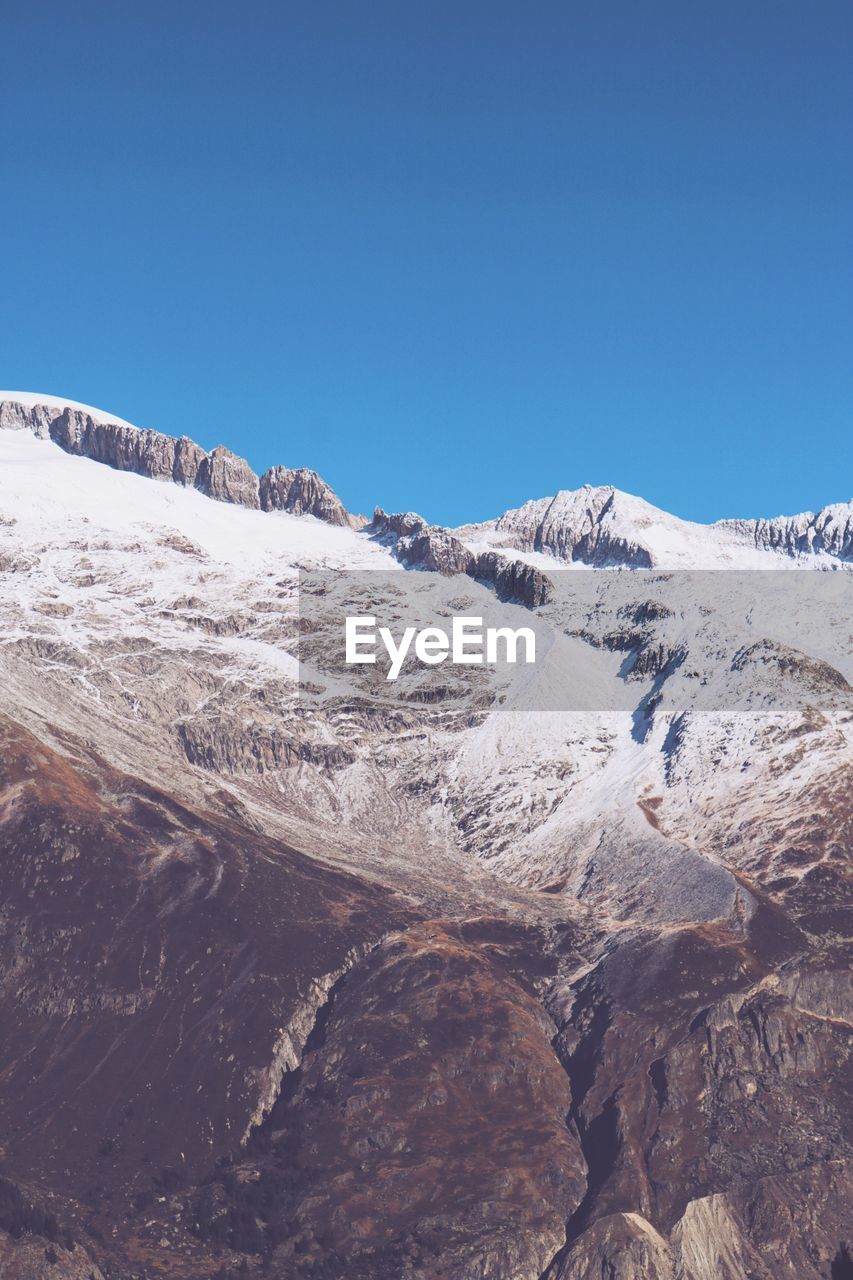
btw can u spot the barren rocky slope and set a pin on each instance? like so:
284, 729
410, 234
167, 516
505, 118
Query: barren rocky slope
505, 985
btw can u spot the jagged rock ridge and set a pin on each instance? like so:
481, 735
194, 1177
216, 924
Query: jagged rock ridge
220, 474
603, 527
829, 531
422, 546
574, 526
303, 492
597, 526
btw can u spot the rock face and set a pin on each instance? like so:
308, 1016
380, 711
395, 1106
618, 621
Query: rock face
619, 1246
389, 527
436, 551
472, 1114
220, 474
669, 1117
514, 580
419, 545
777, 1229
15, 416
303, 492
147, 453
227, 478
830, 531
231, 748
575, 525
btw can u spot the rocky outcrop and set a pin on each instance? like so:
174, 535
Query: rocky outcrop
303, 492
232, 747
436, 551
782, 1227
778, 1228
575, 525
426, 1122
514, 579
220, 474
419, 545
187, 462
147, 453
227, 478
292, 1040
829, 531
398, 525
724, 1130
710, 1241
37, 418
619, 1246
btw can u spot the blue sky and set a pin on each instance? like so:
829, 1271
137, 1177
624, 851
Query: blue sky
451, 254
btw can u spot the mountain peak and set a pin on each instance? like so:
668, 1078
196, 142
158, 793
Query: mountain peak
604, 527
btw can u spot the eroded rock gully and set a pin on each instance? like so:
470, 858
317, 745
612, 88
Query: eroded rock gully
717, 1139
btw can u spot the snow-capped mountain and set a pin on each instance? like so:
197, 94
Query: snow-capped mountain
605, 527
601, 527
313, 986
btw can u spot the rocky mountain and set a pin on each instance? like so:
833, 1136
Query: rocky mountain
532, 979
303, 493
604, 528
830, 532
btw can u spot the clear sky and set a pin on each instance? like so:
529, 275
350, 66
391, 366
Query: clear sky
453, 254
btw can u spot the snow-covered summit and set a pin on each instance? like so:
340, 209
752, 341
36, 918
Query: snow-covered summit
34, 399
605, 527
